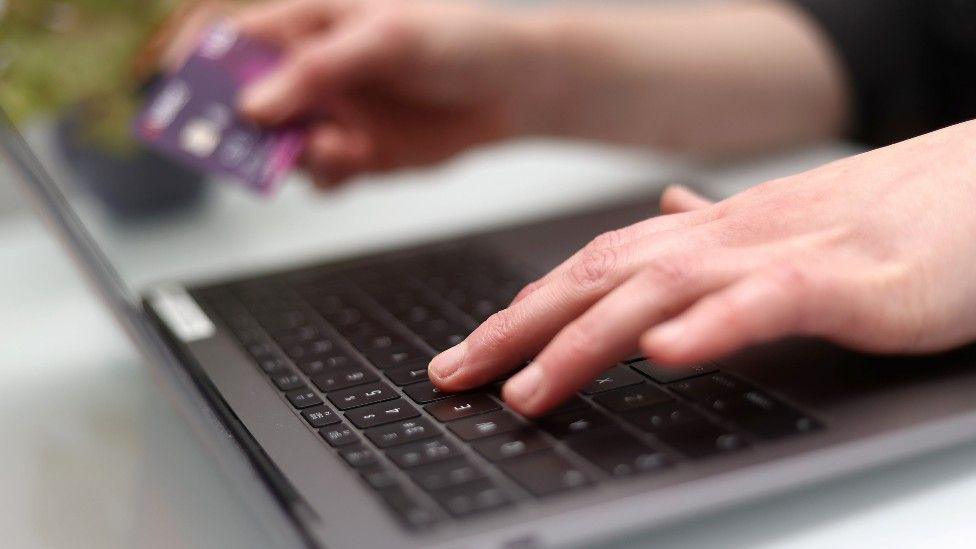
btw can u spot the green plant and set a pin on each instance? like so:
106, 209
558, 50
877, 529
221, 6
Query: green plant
60, 54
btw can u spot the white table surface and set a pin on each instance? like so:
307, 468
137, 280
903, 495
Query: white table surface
91, 455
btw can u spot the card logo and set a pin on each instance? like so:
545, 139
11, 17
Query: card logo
200, 137
166, 107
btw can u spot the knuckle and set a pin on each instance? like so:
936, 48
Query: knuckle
594, 268
795, 286
498, 330
790, 279
728, 310
719, 210
607, 240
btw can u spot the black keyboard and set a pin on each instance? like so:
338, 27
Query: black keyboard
348, 349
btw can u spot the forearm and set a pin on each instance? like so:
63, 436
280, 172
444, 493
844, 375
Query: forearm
716, 80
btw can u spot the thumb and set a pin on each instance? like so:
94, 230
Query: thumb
680, 199
313, 70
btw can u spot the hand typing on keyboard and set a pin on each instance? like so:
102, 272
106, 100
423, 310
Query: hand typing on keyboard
875, 259
874, 252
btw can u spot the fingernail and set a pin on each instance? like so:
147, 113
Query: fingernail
524, 384
445, 364
261, 95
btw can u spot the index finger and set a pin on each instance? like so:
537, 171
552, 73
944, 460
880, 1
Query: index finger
290, 22
512, 336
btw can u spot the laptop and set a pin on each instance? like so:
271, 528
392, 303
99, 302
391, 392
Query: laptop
309, 384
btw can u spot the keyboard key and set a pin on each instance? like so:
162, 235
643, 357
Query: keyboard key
618, 453
357, 455
338, 435
632, 398
704, 388
303, 398
405, 506
249, 337
511, 444
344, 318
401, 432
342, 378
614, 378
317, 365
573, 403
287, 380
446, 341
411, 373
262, 350
668, 374
383, 341
382, 413
425, 392
300, 335
440, 333
698, 439
423, 452
415, 314
481, 309
362, 395
320, 416
438, 476
462, 406
763, 416
661, 416
377, 476
391, 358
485, 425
471, 497
751, 403
545, 473
573, 423
310, 349
273, 365
325, 304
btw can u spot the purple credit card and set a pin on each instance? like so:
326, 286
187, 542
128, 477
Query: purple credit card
191, 115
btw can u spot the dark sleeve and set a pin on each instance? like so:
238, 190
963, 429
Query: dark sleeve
911, 63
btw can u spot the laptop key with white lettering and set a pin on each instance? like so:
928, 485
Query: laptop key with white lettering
509, 445
485, 425
462, 406
382, 413
362, 395
614, 378
401, 432
420, 453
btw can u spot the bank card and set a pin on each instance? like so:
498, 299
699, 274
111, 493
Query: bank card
191, 114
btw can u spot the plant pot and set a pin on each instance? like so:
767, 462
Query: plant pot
131, 185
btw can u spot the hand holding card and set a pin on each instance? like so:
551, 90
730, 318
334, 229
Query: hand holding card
191, 114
